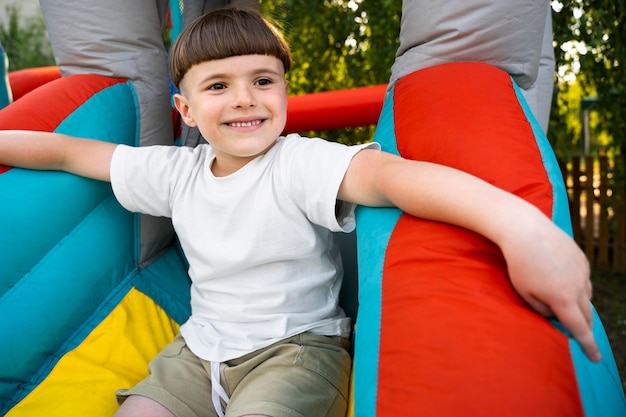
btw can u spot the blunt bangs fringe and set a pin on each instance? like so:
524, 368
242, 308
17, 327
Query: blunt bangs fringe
226, 33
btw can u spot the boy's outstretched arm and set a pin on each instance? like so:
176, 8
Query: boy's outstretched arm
52, 151
545, 265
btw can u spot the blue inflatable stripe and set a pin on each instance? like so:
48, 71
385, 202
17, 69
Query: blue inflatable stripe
110, 115
560, 203
6, 97
37, 210
599, 384
374, 228
166, 281
42, 319
30, 200
177, 19
385, 128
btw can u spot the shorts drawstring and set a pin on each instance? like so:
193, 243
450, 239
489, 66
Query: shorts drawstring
217, 391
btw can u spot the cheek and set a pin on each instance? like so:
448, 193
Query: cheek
281, 107
206, 111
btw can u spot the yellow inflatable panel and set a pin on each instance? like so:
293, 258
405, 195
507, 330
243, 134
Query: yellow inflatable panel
114, 355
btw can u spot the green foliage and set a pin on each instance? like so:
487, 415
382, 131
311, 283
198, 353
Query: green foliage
338, 44
565, 131
597, 27
25, 41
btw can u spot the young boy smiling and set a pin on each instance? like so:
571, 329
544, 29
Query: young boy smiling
255, 212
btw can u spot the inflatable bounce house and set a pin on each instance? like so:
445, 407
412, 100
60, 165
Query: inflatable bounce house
439, 332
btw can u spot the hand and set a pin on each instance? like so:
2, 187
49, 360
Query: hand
550, 272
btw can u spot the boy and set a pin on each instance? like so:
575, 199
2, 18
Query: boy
255, 213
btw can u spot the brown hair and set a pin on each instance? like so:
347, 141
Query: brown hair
225, 33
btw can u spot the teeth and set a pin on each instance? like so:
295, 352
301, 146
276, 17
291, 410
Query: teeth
245, 124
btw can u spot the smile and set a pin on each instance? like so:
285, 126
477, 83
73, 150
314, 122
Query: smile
246, 124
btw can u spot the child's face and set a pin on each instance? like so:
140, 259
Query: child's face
238, 103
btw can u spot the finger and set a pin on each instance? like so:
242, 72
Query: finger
578, 321
540, 307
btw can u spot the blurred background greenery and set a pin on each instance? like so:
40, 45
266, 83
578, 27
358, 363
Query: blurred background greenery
341, 44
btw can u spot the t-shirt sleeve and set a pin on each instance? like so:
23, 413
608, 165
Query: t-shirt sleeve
316, 170
142, 178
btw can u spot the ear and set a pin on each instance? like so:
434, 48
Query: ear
182, 105
286, 87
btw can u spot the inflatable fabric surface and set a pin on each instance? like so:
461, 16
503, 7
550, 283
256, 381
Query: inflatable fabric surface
78, 319
440, 330
6, 96
26, 80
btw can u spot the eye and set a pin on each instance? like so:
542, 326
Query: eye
216, 86
264, 81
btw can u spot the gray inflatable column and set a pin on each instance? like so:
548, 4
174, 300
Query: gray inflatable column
513, 35
120, 38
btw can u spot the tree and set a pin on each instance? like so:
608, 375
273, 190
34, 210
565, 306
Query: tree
338, 44
25, 41
596, 27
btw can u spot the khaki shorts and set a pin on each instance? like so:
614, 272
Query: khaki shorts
302, 376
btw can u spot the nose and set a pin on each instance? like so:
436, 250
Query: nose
244, 97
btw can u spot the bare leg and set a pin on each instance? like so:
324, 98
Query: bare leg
136, 406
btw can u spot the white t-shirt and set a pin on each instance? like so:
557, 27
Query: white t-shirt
259, 242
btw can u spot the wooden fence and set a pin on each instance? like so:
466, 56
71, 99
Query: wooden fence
596, 189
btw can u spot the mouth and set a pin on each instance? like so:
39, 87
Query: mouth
250, 123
